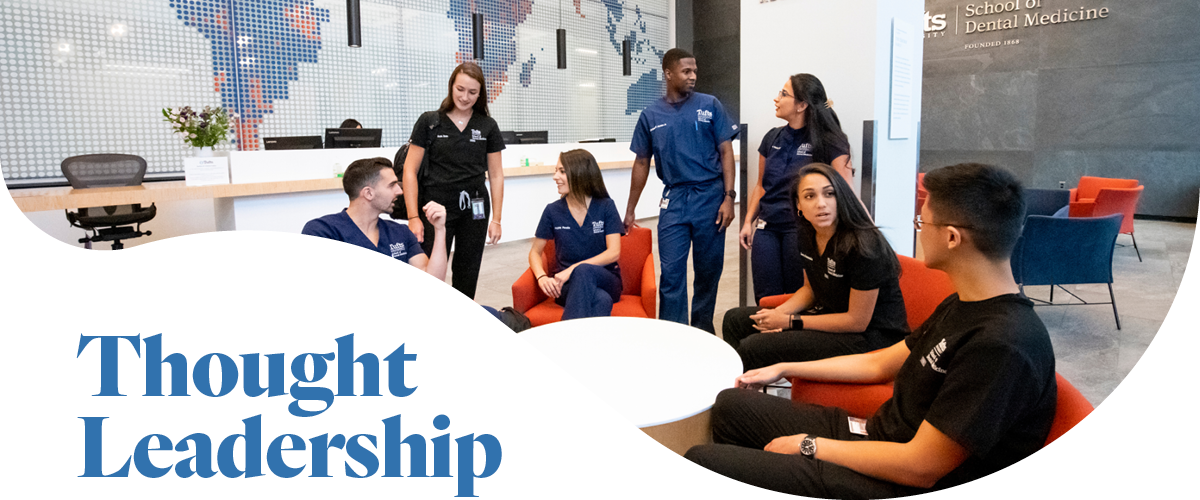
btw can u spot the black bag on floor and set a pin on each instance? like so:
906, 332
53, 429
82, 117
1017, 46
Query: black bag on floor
514, 320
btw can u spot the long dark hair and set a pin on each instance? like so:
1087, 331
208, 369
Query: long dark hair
583, 174
856, 232
472, 70
824, 128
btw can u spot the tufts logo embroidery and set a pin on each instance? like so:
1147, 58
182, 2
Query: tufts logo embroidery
831, 268
931, 359
397, 250
804, 150
704, 116
598, 227
476, 136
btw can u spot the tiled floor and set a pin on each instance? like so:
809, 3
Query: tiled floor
1090, 351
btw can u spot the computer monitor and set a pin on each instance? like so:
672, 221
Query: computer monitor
603, 139
509, 137
337, 138
533, 137
297, 142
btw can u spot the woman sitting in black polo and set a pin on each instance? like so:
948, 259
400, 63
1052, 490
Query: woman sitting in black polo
850, 302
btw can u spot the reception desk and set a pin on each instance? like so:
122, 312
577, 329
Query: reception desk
282, 190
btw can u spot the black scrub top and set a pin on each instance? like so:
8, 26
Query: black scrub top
457, 159
831, 277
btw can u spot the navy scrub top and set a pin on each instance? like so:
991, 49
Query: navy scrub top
395, 240
574, 242
683, 137
785, 156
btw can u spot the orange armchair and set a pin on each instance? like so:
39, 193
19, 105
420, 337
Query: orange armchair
921, 192
1083, 198
923, 289
861, 400
1119, 201
639, 293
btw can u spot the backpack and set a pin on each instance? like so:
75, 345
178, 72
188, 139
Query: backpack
400, 212
514, 320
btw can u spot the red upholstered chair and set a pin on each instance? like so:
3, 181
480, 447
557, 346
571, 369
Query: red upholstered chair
923, 289
861, 400
639, 293
1119, 201
1084, 197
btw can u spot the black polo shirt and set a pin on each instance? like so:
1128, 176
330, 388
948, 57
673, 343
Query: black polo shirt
982, 373
457, 159
832, 276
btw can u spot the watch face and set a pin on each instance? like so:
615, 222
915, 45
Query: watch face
808, 446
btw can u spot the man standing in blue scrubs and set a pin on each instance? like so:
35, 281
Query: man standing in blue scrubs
373, 189
689, 135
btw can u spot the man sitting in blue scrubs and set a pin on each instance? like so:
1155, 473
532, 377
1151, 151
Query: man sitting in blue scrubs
689, 135
373, 189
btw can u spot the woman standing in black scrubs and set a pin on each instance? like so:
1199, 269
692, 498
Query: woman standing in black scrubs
463, 144
811, 134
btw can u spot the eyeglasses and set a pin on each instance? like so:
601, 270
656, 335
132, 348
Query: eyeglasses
917, 223
783, 93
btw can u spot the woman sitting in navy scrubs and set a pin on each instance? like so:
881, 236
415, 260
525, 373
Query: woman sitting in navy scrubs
850, 302
586, 230
812, 134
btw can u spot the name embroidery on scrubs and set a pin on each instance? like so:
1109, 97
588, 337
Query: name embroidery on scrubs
598, 227
397, 249
831, 268
442, 136
656, 127
804, 150
564, 228
805, 256
704, 116
476, 136
932, 358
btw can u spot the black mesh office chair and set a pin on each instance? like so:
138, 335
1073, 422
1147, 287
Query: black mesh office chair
112, 223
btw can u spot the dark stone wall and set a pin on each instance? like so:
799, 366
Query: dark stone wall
1114, 97
711, 30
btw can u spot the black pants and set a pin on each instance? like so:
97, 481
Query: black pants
765, 349
744, 421
464, 233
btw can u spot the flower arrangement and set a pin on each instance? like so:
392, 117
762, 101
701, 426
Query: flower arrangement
204, 129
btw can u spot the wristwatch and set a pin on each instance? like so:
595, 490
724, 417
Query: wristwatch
808, 446
731, 193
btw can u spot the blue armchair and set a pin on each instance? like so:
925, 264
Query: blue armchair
1067, 251
1046, 201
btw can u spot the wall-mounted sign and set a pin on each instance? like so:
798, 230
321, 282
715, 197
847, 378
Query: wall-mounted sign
986, 17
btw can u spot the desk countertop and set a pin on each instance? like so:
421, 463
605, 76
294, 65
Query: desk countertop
60, 198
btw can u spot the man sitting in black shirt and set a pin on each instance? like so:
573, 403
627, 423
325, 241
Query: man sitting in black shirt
974, 386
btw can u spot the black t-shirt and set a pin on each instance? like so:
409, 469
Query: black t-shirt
457, 159
832, 276
982, 373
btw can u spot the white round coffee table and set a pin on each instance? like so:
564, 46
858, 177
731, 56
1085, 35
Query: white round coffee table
662, 376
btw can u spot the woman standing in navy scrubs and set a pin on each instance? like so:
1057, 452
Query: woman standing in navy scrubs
586, 230
812, 134
850, 302
463, 144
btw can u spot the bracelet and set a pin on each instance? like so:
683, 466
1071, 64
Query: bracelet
496, 222
417, 217
539, 278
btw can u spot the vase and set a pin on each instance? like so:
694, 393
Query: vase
204, 151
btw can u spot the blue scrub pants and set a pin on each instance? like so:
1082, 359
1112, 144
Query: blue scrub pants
775, 262
689, 222
591, 292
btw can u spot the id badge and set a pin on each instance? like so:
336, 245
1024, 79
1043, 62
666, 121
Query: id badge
477, 208
858, 426
762, 224
663, 204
